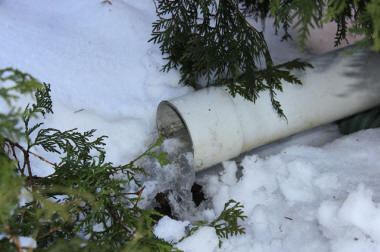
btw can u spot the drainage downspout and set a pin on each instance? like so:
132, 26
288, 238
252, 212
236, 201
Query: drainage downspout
221, 127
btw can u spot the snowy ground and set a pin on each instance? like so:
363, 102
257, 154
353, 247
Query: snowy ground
297, 194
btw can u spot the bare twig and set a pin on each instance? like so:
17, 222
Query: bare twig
15, 240
155, 5
241, 15
42, 159
27, 161
12, 145
138, 193
14, 155
55, 229
118, 220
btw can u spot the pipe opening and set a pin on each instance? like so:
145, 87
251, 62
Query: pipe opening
170, 123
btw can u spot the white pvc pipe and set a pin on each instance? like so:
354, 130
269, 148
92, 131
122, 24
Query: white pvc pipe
221, 127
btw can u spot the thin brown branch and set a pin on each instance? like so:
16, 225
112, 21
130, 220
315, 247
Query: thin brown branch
55, 229
22, 215
241, 15
118, 220
138, 193
15, 240
27, 161
155, 5
12, 145
11, 148
42, 158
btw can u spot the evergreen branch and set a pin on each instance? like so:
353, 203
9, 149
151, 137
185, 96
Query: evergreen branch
26, 162
25, 152
55, 229
120, 222
23, 83
15, 240
226, 224
155, 6
81, 192
221, 48
42, 158
241, 15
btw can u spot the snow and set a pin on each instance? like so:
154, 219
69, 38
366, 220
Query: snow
292, 196
299, 194
27, 242
177, 229
204, 239
104, 73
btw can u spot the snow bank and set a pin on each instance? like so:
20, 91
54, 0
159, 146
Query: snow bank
103, 71
356, 219
304, 198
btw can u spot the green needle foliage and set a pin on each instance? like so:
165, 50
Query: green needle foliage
65, 209
226, 224
213, 42
358, 17
87, 203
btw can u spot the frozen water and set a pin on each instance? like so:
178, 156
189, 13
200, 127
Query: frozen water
176, 179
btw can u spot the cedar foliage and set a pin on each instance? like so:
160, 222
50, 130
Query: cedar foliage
213, 42
226, 224
64, 210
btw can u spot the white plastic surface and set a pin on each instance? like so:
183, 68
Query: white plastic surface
221, 127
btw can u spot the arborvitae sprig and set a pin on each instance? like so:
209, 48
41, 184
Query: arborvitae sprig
13, 83
373, 10
86, 204
17, 83
361, 17
226, 224
303, 14
212, 41
83, 192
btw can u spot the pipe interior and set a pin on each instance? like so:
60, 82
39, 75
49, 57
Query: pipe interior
171, 124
